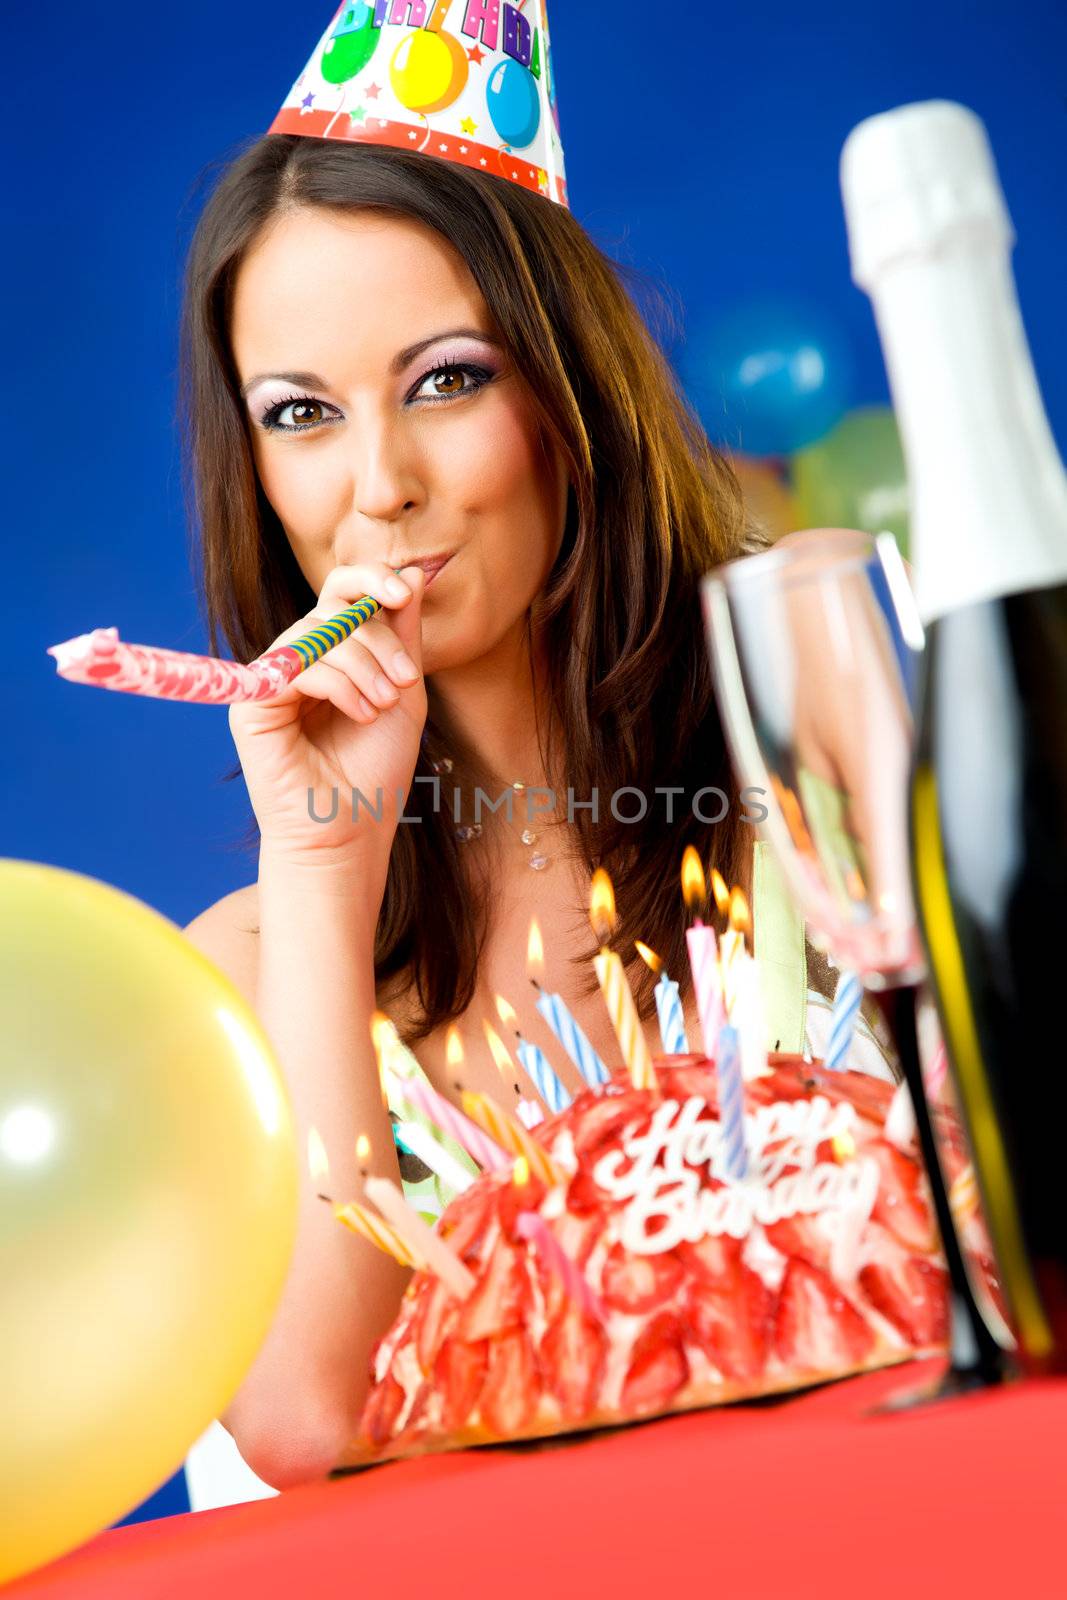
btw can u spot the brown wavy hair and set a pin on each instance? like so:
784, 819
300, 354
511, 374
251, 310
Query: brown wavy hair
651, 506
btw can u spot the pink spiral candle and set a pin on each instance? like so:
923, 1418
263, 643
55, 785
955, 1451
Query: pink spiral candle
474, 1140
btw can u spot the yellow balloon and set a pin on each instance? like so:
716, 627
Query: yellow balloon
148, 1203
428, 70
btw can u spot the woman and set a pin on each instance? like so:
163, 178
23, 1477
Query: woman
392, 363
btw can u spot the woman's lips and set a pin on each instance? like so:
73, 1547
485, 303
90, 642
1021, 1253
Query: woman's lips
432, 568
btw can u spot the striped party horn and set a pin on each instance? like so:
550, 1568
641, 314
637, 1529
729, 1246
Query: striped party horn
512, 1136
104, 661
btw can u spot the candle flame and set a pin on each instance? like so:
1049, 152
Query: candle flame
535, 951
506, 1012
739, 913
318, 1160
844, 1145
648, 956
453, 1047
363, 1149
602, 905
720, 891
380, 1030
520, 1172
694, 888
855, 887
887, 901
499, 1049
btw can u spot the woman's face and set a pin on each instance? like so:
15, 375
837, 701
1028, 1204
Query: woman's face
345, 338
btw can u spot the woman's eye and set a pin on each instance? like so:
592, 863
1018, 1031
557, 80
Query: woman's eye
453, 386
304, 411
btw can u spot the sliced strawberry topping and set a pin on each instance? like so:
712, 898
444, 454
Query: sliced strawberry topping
515, 1198
500, 1299
732, 1323
433, 1320
901, 1204
801, 1238
816, 1328
713, 1258
658, 1366
512, 1389
573, 1353
598, 1120
383, 1406
468, 1216
458, 1375
912, 1294
637, 1283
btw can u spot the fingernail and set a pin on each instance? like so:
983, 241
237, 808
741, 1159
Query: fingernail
395, 589
383, 686
404, 666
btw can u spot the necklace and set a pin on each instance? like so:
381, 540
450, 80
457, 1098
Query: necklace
536, 859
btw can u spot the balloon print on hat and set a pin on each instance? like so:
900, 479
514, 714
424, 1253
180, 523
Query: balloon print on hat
351, 44
513, 103
428, 70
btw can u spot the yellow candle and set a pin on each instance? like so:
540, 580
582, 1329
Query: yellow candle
375, 1229
614, 987
512, 1136
624, 1019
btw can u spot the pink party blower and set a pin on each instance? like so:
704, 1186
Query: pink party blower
102, 659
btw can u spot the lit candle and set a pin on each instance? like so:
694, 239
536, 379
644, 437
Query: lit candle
445, 1115
409, 1225
535, 1063
668, 1005
398, 1069
732, 944
559, 1019
510, 1135
703, 955
615, 989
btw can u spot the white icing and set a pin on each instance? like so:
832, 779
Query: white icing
668, 1200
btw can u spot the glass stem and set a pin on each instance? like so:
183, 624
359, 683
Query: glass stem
973, 1348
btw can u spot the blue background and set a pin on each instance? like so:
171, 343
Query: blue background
703, 152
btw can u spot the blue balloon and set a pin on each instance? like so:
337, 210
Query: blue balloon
768, 376
513, 103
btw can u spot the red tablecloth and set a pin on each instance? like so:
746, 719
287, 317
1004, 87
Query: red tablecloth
813, 1496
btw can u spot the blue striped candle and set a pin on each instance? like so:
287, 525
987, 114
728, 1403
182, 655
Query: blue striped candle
843, 1020
571, 1038
539, 1070
731, 1103
671, 1021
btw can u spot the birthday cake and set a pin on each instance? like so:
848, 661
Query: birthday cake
645, 1281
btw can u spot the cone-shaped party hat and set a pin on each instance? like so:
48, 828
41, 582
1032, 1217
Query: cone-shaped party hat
465, 80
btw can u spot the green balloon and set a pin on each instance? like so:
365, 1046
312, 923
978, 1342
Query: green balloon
352, 46
855, 477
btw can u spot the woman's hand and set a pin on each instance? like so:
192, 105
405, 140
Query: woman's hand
351, 721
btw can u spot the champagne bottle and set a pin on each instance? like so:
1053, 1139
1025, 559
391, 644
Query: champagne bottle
930, 241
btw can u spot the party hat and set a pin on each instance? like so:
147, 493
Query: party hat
476, 87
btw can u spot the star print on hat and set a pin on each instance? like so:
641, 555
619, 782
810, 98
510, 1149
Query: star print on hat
469, 81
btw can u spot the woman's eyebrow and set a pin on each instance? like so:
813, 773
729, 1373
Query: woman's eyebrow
312, 380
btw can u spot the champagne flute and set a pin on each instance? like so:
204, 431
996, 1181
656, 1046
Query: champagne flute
814, 648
